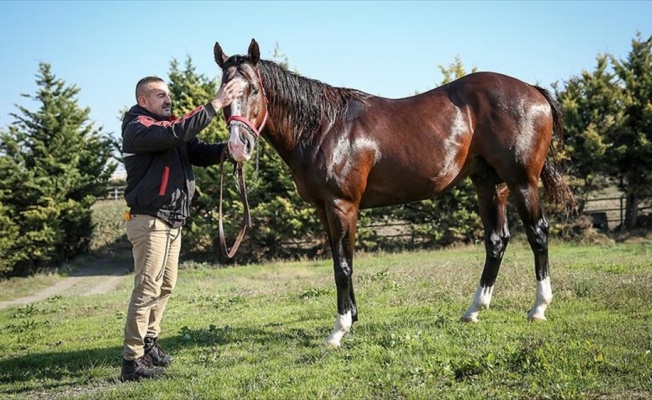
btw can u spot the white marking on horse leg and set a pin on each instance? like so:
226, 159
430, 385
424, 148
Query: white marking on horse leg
342, 325
481, 301
544, 298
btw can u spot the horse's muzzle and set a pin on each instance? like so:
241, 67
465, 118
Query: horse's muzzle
241, 143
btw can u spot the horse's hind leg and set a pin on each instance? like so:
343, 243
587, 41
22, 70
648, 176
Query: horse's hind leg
492, 197
530, 210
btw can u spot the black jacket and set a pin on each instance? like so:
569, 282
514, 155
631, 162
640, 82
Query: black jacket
158, 156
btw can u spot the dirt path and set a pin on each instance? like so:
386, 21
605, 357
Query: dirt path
98, 276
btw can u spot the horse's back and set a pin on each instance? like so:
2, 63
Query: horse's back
492, 90
430, 141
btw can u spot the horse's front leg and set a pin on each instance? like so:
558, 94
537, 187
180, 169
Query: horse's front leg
340, 221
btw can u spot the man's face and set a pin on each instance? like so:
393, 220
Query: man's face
156, 99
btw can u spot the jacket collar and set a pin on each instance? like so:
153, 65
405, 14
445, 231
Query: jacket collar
138, 110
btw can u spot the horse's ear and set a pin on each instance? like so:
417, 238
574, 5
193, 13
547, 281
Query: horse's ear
220, 57
254, 52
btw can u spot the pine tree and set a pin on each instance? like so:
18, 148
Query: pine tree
593, 108
608, 120
632, 145
9, 232
54, 164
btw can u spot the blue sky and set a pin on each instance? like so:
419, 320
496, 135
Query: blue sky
386, 48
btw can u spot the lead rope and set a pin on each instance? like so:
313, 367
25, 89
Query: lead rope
256, 171
246, 220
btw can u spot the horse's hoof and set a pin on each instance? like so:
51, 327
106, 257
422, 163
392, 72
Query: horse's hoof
537, 318
332, 343
469, 319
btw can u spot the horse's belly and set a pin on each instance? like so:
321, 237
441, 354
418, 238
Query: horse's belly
392, 189
418, 171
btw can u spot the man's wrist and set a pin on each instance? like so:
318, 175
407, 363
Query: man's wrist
211, 109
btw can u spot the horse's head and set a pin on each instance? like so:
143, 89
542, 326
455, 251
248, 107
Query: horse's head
246, 115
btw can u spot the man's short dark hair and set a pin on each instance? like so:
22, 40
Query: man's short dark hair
143, 82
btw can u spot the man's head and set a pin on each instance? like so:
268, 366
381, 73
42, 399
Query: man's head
153, 95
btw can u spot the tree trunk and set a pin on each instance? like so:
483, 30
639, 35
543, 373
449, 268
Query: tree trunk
631, 211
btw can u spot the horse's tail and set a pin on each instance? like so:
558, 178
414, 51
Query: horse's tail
555, 187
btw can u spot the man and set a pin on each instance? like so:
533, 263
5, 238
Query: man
159, 151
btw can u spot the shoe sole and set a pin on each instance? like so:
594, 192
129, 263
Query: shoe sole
136, 378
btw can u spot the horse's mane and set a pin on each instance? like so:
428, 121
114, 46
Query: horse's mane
301, 105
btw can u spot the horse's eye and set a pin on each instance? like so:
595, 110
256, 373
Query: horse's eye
255, 91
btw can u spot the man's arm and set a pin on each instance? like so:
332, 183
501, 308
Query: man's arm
204, 154
145, 134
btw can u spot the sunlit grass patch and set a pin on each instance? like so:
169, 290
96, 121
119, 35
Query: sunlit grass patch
257, 331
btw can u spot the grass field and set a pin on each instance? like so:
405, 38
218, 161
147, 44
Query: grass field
257, 332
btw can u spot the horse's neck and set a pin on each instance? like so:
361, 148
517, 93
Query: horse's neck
282, 142
293, 123
278, 134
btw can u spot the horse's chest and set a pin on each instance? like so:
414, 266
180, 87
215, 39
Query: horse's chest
339, 167
307, 183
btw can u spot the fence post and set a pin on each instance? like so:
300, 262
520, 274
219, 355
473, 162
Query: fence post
114, 192
622, 217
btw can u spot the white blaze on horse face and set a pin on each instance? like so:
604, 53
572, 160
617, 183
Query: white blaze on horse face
342, 162
342, 326
481, 302
237, 148
543, 299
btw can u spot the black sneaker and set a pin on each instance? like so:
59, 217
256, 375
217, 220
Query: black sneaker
156, 353
142, 368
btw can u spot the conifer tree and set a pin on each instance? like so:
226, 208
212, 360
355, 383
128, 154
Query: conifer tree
54, 164
593, 107
608, 120
9, 232
632, 145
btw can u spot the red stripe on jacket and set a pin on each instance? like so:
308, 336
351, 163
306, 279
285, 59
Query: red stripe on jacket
164, 181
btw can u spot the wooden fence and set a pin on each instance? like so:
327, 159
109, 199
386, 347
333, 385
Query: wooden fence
607, 213
114, 193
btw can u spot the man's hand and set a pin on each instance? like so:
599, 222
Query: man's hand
228, 92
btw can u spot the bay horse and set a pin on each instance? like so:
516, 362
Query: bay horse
348, 150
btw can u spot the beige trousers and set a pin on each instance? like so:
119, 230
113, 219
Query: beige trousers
156, 249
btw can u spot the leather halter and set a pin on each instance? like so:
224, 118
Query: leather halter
244, 120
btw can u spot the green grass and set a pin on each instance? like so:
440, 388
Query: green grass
257, 332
